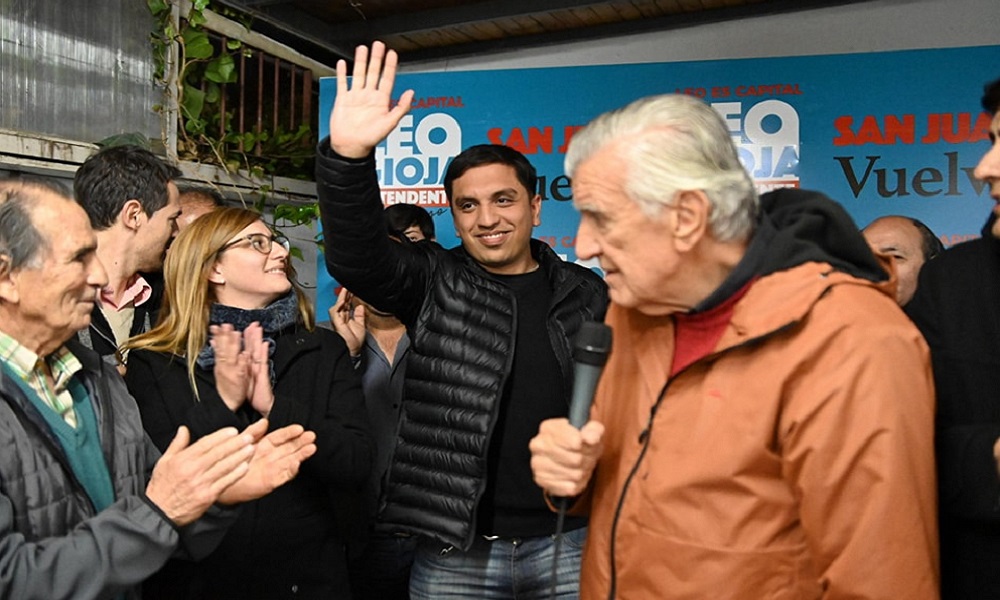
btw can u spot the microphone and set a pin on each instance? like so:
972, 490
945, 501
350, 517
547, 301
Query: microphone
590, 351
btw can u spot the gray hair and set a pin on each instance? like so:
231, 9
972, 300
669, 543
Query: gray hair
674, 143
21, 244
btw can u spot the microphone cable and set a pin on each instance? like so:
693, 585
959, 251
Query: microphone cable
561, 505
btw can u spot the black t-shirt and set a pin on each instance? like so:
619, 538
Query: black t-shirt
513, 505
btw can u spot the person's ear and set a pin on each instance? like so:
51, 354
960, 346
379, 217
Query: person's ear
215, 275
131, 215
9, 291
689, 218
536, 210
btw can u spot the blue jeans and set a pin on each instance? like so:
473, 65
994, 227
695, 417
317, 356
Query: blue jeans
504, 568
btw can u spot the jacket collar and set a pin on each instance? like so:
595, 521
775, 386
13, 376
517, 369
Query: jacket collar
795, 227
547, 259
90, 360
784, 299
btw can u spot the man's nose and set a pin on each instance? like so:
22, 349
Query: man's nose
586, 243
97, 276
487, 215
989, 166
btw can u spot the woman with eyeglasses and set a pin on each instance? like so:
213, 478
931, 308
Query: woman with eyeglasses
235, 343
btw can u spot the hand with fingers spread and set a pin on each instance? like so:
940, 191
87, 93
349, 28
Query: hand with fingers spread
362, 114
563, 457
348, 319
189, 478
275, 462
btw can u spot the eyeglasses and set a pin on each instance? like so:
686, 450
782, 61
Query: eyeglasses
260, 242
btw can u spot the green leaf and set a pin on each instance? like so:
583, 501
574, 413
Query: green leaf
196, 18
296, 252
221, 70
194, 126
212, 93
157, 7
197, 45
200, 5
193, 102
233, 44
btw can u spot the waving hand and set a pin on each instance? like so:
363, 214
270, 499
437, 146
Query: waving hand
361, 115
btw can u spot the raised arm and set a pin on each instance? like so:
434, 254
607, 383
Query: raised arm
357, 249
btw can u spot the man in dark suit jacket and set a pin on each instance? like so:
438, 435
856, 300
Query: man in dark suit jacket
957, 308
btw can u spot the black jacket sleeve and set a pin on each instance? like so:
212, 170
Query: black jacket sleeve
359, 254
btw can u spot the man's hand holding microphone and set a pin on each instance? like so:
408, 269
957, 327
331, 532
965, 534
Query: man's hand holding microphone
565, 451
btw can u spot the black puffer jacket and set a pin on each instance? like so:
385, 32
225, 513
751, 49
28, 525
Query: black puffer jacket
462, 323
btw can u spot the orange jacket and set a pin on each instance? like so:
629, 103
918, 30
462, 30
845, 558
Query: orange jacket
796, 461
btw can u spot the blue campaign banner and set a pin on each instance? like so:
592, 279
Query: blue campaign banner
882, 133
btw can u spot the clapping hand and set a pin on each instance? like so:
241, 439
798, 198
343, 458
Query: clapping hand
242, 370
259, 390
275, 462
189, 478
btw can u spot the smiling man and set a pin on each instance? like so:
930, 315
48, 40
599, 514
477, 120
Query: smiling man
490, 323
957, 308
88, 506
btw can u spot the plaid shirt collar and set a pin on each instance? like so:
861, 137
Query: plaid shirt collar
26, 364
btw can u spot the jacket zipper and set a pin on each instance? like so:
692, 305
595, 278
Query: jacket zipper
646, 434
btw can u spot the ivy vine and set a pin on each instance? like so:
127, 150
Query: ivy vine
205, 134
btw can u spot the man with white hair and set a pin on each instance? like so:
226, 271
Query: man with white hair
764, 426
